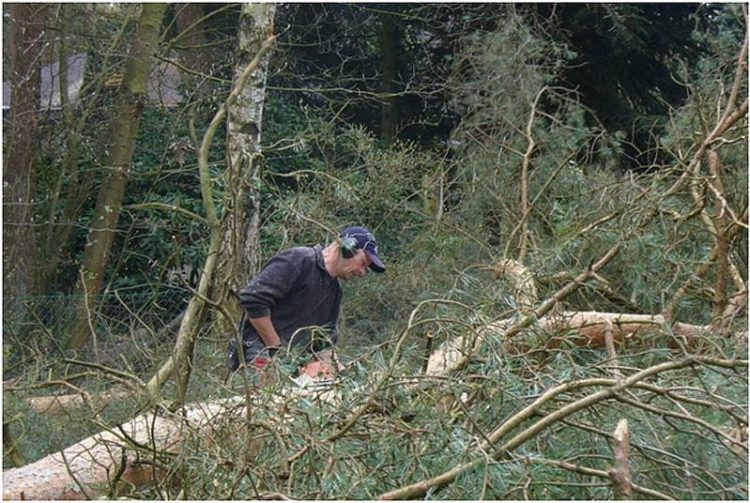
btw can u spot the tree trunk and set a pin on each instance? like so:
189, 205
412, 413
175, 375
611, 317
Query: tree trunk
133, 95
238, 256
390, 36
180, 361
191, 41
59, 229
26, 23
50, 259
73, 184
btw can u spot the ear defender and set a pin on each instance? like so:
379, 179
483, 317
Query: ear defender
348, 246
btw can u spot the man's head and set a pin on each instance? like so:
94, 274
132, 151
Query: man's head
359, 250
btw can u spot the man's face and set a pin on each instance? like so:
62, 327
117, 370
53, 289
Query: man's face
355, 266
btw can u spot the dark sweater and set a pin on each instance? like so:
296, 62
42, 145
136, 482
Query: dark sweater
295, 289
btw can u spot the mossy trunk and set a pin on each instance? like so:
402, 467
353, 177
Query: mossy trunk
133, 97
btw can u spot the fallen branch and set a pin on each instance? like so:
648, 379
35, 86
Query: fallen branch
457, 352
54, 405
589, 328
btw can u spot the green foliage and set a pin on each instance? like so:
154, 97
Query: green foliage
165, 172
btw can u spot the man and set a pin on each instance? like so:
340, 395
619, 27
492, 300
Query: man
295, 300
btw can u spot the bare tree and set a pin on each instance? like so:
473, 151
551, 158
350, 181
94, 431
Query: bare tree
27, 42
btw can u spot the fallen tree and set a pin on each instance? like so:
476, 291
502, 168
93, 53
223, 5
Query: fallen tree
101, 463
135, 453
138, 452
491, 444
581, 328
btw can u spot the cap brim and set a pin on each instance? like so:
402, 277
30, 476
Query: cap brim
376, 264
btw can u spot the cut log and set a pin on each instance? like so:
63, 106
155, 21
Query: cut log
589, 328
583, 328
101, 463
89, 468
54, 405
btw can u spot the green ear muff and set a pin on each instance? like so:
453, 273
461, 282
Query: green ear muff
348, 246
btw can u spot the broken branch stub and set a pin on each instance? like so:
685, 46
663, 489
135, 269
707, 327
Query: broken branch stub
620, 473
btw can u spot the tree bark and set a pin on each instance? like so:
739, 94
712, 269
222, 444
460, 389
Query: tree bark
68, 167
79, 182
390, 36
180, 361
133, 95
238, 254
26, 22
191, 41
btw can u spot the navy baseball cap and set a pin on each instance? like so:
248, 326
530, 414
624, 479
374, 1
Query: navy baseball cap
365, 241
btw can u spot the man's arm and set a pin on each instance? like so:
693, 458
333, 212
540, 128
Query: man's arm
272, 284
266, 330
